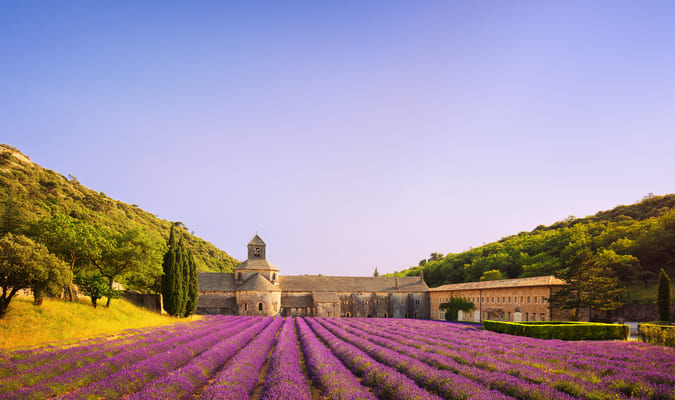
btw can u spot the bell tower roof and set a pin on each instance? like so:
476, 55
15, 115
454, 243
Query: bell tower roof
256, 241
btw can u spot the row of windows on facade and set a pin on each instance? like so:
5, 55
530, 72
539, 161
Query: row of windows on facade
260, 306
525, 316
378, 302
494, 300
406, 315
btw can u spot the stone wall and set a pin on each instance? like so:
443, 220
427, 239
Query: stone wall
249, 303
152, 302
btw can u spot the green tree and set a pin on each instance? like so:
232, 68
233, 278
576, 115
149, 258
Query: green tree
193, 286
663, 296
95, 286
492, 275
25, 264
454, 306
590, 285
172, 280
74, 241
376, 273
122, 254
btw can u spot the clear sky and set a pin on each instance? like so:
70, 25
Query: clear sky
349, 134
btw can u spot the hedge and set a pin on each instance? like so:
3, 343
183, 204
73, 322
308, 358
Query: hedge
561, 330
658, 333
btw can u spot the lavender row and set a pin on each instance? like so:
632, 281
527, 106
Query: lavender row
184, 382
133, 376
285, 378
66, 361
79, 377
241, 374
454, 358
460, 381
22, 360
386, 381
595, 373
327, 371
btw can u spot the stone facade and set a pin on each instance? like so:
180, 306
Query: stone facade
257, 288
522, 299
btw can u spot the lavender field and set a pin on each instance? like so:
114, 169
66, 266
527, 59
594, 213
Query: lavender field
230, 357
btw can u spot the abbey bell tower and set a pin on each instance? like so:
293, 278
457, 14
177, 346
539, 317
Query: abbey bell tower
256, 248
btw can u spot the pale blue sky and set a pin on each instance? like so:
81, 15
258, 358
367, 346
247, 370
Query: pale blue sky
349, 135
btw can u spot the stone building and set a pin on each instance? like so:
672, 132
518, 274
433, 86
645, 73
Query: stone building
256, 288
523, 299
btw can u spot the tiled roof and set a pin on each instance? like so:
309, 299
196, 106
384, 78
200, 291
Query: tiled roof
216, 281
257, 241
316, 283
325, 297
257, 264
504, 283
297, 301
258, 282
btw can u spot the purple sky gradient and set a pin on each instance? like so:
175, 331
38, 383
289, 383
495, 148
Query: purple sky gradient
349, 135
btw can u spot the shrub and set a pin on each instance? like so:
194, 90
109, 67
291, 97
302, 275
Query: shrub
560, 330
657, 333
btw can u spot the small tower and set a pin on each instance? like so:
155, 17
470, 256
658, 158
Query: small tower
256, 263
256, 248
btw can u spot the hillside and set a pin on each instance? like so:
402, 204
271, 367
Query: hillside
39, 191
630, 243
58, 321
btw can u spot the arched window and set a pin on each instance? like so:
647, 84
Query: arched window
239, 276
274, 276
260, 307
257, 251
245, 307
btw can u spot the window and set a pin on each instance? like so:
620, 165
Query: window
543, 299
239, 276
260, 307
275, 306
415, 315
493, 300
417, 302
497, 300
256, 252
509, 316
528, 299
515, 299
274, 276
521, 300
503, 300
245, 307
543, 317
509, 299
535, 299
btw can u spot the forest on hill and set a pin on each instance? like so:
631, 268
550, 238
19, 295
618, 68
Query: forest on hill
626, 245
35, 193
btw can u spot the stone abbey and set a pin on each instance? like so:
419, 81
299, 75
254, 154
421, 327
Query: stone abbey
257, 288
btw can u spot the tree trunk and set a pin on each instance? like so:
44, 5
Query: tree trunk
93, 301
110, 287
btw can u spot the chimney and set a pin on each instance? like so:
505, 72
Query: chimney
422, 275
396, 282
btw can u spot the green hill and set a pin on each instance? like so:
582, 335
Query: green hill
39, 192
630, 243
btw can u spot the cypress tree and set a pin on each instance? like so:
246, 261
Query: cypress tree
663, 296
172, 286
182, 269
193, 286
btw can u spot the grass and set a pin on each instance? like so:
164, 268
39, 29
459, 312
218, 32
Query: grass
26, 325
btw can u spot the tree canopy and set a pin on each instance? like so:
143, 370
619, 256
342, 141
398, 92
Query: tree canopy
25, 264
